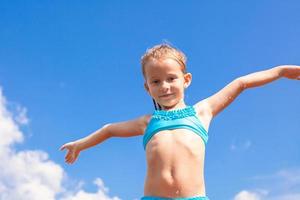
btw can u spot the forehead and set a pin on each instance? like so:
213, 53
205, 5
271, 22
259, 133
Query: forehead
162, 67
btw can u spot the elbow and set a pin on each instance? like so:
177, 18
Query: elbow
106, 130
242, 84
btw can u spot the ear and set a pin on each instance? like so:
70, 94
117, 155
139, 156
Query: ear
187, 80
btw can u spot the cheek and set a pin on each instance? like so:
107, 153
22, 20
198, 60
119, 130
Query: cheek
152, 90
180, 85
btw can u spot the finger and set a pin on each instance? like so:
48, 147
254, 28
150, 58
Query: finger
62, 147
68, 160
71, 161
68, 156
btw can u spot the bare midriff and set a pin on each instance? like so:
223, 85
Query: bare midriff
175, 164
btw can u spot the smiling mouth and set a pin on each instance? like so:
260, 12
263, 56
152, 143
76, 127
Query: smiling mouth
166, 95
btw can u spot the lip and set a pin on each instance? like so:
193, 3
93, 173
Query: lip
165, 95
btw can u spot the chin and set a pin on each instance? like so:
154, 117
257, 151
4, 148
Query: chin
168, 105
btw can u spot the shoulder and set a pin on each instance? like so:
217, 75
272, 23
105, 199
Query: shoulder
129, 128
204, 112
145, 119
143, 122
203, 107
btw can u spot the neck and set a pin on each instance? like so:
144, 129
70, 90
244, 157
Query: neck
179, 105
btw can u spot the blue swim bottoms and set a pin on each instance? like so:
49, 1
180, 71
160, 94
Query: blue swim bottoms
183, 198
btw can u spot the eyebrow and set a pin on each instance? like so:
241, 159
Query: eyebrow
171, 74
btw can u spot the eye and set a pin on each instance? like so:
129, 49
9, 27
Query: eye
155, 81
170, 79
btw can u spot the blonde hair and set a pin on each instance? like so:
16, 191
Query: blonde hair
162, 51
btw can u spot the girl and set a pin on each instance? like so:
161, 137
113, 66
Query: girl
174, 136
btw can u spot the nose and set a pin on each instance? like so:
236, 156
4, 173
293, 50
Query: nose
165, 86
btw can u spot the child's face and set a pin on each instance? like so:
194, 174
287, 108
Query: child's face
165, 82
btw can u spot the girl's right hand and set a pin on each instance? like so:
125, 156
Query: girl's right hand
72, 152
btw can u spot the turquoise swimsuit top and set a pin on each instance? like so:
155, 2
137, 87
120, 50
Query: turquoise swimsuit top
185, 118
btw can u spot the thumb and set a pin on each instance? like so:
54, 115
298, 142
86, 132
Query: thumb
62, 147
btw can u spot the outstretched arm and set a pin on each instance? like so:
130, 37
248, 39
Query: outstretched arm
217, 102
121, 129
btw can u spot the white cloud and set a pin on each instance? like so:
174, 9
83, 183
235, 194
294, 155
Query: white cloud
30, 174
242, 146
291, 176
250, 195
22, 118
99, 195
294, 196
247, 195
10, 133
281, 185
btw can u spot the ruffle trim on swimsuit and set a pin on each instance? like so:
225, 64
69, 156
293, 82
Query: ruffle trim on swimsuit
174, 114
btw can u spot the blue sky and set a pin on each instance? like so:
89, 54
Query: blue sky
66, 69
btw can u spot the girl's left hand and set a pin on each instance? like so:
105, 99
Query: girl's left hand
290, 71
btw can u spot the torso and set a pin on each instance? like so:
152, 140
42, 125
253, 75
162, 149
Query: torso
175, 163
